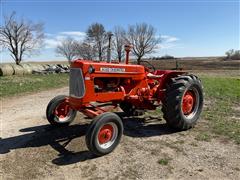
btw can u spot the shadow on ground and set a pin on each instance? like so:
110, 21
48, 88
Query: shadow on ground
59, 137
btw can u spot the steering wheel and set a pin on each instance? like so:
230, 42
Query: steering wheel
148, 66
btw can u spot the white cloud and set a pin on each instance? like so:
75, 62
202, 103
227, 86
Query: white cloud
169, 39
51, 43
168, 45
169, 42
53, 40
73, 33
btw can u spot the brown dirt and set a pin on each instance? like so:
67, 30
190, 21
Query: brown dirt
32, 149
197, 64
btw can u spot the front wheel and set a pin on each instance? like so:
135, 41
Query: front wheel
59, 112
183, 102
104, 133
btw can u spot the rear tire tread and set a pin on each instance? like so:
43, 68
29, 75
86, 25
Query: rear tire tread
171, 107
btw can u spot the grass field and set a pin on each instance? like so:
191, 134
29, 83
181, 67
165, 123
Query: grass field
17, 85
222, 96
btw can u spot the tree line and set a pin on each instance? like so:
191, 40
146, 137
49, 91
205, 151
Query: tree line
22, 37
232, 54
141, 36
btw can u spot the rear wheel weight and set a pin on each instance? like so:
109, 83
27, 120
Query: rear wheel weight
190, 103
104, 133
183, 102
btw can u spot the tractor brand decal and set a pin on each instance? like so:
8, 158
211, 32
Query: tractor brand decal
114, 70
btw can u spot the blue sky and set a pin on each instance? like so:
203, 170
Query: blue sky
188, 28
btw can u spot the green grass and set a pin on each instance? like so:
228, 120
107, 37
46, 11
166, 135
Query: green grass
164, 161
223, 95
17, 85
203, 136
222, 88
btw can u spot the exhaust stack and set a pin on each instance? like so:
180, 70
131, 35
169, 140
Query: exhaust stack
127, 48
110, 34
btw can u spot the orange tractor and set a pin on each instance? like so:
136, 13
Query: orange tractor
96, 88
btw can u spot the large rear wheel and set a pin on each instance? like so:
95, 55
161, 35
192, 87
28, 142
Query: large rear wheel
183, 102
59, 112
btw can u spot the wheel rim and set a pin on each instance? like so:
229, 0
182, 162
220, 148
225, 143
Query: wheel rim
190, 103
62, 112
107, 135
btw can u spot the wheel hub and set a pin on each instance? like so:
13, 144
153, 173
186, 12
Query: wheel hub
105, 134
188, 102
62, 110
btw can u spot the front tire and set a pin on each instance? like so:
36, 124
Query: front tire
59, 113
183, 102
104, 133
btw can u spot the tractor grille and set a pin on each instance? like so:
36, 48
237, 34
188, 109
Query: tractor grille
76, 83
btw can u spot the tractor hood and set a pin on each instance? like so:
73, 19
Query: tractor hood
109, 69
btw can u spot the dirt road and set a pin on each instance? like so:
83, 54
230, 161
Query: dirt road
32, 149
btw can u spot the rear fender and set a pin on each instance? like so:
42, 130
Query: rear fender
165, 79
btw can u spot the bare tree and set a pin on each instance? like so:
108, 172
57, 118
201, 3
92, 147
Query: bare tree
119, 42
229, 53
67, 48
97, 35
233, 54
86, 50
20, 37
143, 38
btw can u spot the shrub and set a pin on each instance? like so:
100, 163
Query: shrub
233, 54
163, 57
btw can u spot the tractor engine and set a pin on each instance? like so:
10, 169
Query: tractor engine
109, 82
